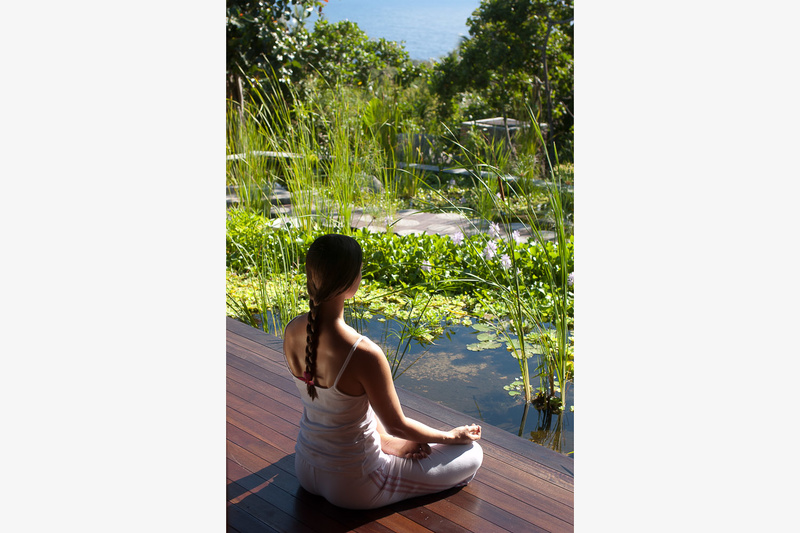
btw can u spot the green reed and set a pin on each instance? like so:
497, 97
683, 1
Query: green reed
248, 169
278, 288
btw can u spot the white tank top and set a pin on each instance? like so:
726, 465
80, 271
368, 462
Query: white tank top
338, 431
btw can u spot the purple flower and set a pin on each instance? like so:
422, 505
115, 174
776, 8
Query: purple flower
426, 266
505, 261
571, 279
517, 237
490, 250
494, 230
457, 238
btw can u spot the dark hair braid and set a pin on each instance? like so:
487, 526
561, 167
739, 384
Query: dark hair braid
311, 349
333, 262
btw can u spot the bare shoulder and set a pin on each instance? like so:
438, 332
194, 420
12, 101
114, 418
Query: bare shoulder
298, 323
367, 346
294, 333
370, 356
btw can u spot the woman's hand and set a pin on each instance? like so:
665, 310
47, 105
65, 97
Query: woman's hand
466, 434
404, 448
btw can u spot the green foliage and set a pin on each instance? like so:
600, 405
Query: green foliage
519, 53
270, 259
345, 55
265, 36
403, 261
341, 136
251, 240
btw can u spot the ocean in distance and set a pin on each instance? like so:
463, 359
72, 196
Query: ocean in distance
429, 29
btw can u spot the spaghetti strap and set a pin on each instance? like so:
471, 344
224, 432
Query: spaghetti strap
352, 351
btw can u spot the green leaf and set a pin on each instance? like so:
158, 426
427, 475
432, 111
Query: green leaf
480, 346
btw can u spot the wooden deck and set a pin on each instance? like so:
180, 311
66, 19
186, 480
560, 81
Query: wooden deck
521, 486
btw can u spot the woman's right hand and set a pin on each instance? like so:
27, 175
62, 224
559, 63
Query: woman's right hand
466, 434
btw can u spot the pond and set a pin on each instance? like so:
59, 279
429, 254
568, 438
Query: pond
472, 382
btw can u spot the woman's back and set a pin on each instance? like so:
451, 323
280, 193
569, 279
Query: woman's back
337, 430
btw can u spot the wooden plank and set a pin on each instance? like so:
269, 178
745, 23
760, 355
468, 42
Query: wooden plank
521, 447
248, 332
422, 516
304, 511
526, 511
472, 496
265, 511
510, 460
463, 518
282, 479
280, 379
511, 479
520, 487
247, 402
241, 521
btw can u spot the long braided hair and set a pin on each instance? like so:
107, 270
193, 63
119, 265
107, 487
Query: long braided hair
333, 262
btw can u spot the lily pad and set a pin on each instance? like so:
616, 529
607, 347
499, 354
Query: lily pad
480, 346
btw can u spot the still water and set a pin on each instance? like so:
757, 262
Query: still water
472, 382
430, 30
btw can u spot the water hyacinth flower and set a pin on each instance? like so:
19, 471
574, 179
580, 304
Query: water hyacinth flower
517, 237
457, 238
505, 261
426, 266
571, 279
490, 250
494, 230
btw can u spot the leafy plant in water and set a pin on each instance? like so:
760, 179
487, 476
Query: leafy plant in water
413, 327
555, 368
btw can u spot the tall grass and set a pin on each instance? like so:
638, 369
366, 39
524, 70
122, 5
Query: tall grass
332, 153
278, 287
249, 171
289, 132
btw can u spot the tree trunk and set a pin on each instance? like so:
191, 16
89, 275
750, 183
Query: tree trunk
236, 93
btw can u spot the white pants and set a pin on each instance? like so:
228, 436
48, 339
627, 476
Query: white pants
448, 465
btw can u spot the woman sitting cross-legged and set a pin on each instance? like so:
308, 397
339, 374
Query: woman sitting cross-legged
356, 448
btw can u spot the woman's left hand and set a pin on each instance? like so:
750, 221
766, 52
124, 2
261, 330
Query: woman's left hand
405, 448
420, 450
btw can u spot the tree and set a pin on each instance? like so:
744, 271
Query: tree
517, 51
344, 53
264, 36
